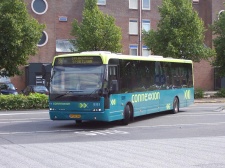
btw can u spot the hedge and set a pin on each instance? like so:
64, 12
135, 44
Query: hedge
220, 93
19, 102
199, 93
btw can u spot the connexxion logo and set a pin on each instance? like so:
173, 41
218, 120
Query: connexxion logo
187, 94
83, 105
113, 102
145, 97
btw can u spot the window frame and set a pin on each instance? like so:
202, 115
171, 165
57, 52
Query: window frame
148, 8
103, 2
46, 40
133, 7
146, 48
133, 47
220, 12
66, 43
146, 22
133, 31
195, 1
32, 7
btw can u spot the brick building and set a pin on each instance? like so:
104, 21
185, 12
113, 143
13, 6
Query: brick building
131, 15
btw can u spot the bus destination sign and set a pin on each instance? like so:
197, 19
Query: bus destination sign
78, 60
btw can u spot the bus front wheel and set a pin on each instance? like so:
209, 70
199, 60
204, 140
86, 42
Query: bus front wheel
126, 115
175, 106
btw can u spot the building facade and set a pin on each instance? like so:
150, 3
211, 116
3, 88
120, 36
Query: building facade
132, 16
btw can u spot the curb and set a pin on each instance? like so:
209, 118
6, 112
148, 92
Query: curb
210, 100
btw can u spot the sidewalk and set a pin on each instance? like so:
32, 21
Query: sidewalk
209, 97
210, 100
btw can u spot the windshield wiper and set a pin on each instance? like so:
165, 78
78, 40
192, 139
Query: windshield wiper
95, 91
60, 96
68, 92
73, 91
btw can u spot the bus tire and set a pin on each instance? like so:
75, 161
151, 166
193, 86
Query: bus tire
175, 106
126, 115
78, 121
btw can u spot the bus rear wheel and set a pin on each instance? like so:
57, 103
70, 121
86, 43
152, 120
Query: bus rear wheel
175, 106
126, 115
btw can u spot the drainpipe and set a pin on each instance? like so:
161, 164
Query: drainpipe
140, 27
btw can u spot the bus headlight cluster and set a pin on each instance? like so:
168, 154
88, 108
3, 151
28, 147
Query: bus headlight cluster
97, 109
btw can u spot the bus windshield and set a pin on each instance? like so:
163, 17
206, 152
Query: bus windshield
77, 79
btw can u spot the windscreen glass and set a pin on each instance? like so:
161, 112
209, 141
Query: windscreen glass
76, 80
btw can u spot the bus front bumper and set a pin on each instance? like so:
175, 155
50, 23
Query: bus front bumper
71, 115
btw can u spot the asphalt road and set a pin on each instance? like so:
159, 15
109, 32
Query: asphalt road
195, 137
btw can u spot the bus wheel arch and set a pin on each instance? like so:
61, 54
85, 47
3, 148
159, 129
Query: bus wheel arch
176, 105
128, 114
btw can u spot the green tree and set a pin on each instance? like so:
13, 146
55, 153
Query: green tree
19, 36
218, 28
180, 32
97, 31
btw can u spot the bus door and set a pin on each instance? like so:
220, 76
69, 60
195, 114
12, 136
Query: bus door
155, 94
114, 97
162, 70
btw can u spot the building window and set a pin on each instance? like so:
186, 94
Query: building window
63, 18
39, 6
146, 4
145, 51
146, 25
195, 1
134, 50
220, 12
133, 4
43, 40
133, 27
101, 2
64, 45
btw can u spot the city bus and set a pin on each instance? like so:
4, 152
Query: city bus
103, 86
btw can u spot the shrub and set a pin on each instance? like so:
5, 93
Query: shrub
199, 93
19, 102
221, 93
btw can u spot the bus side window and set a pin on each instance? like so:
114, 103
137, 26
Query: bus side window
158, 74
167, 76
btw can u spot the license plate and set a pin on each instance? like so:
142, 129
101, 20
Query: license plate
75, 116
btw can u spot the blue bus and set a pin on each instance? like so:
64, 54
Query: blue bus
104, 86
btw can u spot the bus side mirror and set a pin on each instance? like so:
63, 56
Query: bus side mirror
114, 86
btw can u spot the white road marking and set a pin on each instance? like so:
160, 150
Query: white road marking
104, 132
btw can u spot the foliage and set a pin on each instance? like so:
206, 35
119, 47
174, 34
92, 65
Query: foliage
18, 102
221, 93
97, 31
180, 32
218, 28
19, 36
199, 93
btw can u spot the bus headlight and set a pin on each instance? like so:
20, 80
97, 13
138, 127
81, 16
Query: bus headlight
97, 110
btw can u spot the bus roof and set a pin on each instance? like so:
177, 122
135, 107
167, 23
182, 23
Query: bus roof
106, 55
